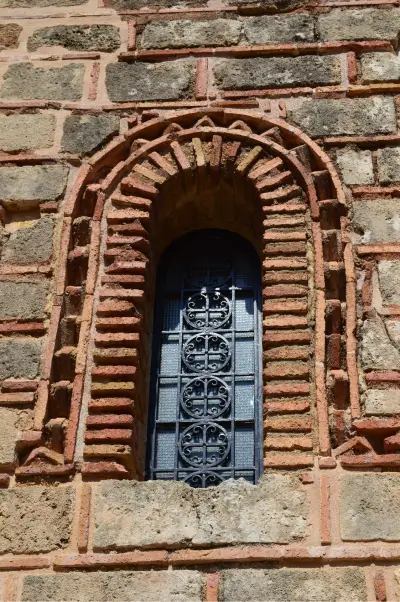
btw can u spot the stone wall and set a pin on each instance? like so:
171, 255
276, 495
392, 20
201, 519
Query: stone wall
123, 123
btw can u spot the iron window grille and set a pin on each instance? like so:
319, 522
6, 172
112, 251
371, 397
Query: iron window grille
205, 397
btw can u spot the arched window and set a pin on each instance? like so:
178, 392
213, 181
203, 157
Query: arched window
205, 422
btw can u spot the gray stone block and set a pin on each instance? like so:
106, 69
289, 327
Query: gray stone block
9, 35
266, 29
380, 67
120, 586
378, 351
24, 300
127, 82
19, 358
347, 116
13, 422
378, 220
369, 507
24, 81
274, 511
389, 165
26, 132
313, 585
24, 187
359, 24
389, 281
85, 133
355, 166
255, 73
122, 508
35, 519
103, 38
382, 402
185, 33
28, 245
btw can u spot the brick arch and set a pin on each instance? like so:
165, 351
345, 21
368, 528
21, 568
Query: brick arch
147, 188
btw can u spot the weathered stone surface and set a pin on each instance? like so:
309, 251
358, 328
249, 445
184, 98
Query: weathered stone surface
313, 585
330, 117
378, 219
380, 66
103, 38
31, 3
35, 519
382, 402
28, 185
151, 586
26, 82
30, 244
9, 35
389, 165
25, 300
389, 281
122, 508
267, 29
378, 351
19, 358
369, 507
274, 511
150, 81
186, 33
26, 132
13, 422
355, 166
255, 73
359, 24
85, 133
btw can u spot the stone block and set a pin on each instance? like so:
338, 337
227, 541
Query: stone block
26, 132
185, 33
30, 244
19, 357
39, 3
380, 67
120, 586
85, 133
35, 519
382, 402
389, 165
24, 187
25, 300
369, 507
122, 508
274, 511
255, 73
355, 166
378, 220
127, 82
359, 24
9, 35
24, 81
13, 422
389, 281
378, 351
101, 38
313, 585
267, 29
347, 116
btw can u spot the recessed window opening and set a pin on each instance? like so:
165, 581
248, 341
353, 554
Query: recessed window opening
205, 421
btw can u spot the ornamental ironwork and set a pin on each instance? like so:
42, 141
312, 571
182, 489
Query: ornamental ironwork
205, 424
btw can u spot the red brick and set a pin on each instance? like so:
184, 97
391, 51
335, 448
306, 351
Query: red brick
285, 322
283, 425
110, 404
284, 264
109, 436
288, 460
153, 557
325, 512
286, 370
110, 420
288, 389
298, 277
287, 407
104, 470
16, 398
118, 338
19, 385
288, 443
282, 338
284, 290
212, 587
287, 353
285, 307
84, 518
113, 371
